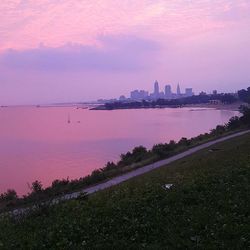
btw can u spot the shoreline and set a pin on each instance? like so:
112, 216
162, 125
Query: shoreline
229, 107
101, 107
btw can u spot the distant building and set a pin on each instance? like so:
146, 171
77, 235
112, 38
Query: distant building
138, 94
189, 92
143, 94
122, 98
156, 88
168, 92
156, 94
134, 94
178, 90
215, 92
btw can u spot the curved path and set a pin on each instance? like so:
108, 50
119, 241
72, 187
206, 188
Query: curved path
137, 172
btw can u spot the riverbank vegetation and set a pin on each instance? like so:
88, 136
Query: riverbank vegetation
207, 207
138, 157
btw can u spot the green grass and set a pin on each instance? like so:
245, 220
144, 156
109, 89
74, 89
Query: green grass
208, 208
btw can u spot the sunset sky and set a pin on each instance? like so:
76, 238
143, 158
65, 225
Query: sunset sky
80, 50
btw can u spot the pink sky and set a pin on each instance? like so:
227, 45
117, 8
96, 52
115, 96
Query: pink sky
76, 50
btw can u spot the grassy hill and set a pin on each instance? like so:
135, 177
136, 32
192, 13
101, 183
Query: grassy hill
208, 207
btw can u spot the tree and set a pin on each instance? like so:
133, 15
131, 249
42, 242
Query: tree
233, 123
109, 166
164, 150
172, 145
219, 130
60, 183
246, 116
228, 98
139, 151
244, 95
36, 187
10, 195
184, 142
137, 154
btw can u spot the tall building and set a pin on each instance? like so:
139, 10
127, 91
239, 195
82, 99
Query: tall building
189, 92
178, 90
156, 88
168, 91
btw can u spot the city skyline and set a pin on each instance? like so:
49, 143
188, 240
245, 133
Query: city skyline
167, 94
157, 94
71, 50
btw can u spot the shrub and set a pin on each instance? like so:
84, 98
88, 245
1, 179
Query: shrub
184, 142
219, 130
10, 195
162, 150
36, 187
245, 119
233, 123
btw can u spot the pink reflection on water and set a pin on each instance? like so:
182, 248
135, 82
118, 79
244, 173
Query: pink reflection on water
39, 143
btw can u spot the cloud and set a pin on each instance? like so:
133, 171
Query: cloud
114, 53
26, 23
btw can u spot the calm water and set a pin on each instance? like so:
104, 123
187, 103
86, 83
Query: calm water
39, 143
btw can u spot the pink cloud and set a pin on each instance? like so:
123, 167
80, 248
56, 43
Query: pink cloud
28, 23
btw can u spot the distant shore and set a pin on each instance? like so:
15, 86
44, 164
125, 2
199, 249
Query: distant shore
233, 107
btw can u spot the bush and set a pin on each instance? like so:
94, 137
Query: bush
219, 130
138, 154
244, 95
36, 187
60, 183
233, 123
184, 142
109, 166
10, 195
245, 119
161, 150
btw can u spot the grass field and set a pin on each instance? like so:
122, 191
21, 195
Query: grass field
208, 207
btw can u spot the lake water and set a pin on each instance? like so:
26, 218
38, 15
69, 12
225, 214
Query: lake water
40, 144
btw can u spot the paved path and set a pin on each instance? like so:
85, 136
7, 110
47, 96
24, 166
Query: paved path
137, 172
150, 167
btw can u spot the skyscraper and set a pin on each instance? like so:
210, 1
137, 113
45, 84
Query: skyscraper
178, 90
168, 91
156, 89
